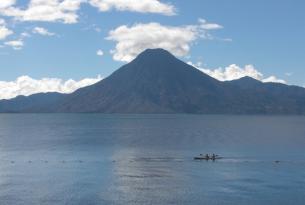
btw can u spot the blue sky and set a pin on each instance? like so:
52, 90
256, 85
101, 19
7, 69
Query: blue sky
268, 35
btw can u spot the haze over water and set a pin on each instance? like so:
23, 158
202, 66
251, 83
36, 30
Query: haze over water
97, 159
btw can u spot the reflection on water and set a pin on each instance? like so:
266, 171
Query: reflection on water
143, 180
148, 159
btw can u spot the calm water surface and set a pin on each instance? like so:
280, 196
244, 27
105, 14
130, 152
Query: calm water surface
85, 159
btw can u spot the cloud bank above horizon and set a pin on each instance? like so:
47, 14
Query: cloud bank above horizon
234, 72
25, 85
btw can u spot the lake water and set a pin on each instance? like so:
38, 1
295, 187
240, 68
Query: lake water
92, 159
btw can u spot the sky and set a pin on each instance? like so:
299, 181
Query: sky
62, 45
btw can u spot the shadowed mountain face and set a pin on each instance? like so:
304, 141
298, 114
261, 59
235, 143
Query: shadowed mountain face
157, 82
41, 102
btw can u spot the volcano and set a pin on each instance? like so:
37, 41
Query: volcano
158, 82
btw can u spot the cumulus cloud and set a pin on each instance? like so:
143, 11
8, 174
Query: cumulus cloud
42, 31
6, 3
130, 41
233, 72
46, 10
133, 40
99, 52
273, 79
16, 44
4, 31
26, 85
66, 11
142, 6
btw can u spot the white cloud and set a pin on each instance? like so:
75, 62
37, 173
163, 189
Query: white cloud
143, 6
42, 31
65, 11
209, 26
99, 52
19, 43
130, 41
26, 85
4, 31
16, 44
233, 72
46, 10
25, 35
6, 3
274, 79
133, 40
2, 22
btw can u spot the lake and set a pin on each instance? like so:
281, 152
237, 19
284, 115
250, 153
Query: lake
92, 159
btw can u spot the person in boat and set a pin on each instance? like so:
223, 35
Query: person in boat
213, 157
207, 157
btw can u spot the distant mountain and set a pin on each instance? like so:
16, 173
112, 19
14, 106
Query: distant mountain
157, 82
42, 102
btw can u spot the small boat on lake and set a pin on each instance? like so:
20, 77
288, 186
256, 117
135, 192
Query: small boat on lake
207, 157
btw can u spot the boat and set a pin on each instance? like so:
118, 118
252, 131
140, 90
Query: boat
201, 157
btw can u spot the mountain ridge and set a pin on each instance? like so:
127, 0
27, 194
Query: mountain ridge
158, 82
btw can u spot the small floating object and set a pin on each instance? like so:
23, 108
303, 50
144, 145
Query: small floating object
29, 161
277, 161
201, 158
12, 162
207, 157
